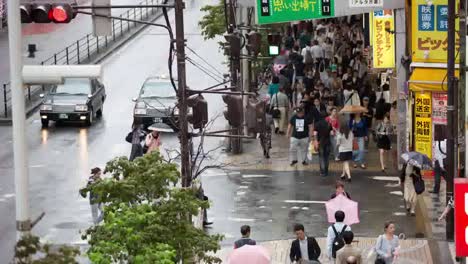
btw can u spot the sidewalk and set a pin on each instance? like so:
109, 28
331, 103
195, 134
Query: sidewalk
412, 250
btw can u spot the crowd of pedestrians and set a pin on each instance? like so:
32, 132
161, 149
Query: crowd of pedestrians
327, 70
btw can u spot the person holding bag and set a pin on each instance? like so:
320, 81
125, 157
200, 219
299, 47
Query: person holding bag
387, 245
383, 131
279, 105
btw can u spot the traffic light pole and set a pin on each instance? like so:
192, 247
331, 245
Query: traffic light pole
183, 94
451, 117
20, 155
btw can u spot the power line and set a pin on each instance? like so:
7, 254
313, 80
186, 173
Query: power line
196, 54
202, 69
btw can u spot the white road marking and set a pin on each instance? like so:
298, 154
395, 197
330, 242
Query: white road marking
305, 208
399, 193
234, 173
262, 206
399, 213
240, 193
385, 178
392, 185
243, 187
248, 176
9, 195
304, 202
227, 235
2, 200
295, 208
36, 166
235, 219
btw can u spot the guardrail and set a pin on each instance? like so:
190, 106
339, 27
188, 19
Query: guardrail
31, 91
88, 47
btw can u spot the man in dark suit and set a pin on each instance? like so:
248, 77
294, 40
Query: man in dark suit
316, 110
304, 248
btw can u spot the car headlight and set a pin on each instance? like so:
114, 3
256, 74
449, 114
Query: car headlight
140, 111
46, 107
140, 105
81, 108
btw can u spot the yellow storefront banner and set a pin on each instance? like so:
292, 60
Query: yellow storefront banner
423, 123
429, 31
383, 42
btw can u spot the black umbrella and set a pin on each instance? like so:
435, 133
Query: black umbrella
417, 159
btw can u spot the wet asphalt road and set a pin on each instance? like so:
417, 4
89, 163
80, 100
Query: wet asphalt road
61, 156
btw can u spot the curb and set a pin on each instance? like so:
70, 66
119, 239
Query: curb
119, 44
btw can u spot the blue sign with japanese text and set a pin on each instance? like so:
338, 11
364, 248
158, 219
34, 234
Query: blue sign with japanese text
442, 17
426, 18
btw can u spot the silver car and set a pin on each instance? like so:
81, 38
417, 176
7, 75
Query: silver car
156, 103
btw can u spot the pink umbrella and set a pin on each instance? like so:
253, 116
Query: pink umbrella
342, 203
249, 255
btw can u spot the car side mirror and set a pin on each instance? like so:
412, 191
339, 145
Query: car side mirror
41, 95
134, 99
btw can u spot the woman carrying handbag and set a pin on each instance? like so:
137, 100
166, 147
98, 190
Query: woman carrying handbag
279, 104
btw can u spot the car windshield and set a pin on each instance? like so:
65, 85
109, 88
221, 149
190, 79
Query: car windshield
73, 86
157, 89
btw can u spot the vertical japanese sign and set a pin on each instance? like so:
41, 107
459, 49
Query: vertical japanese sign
277, 11
429, 31
461, 216
439, 108
383, 42
423, 123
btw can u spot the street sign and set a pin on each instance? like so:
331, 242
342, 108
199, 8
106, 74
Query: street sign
366, 3
277, 11
461, 217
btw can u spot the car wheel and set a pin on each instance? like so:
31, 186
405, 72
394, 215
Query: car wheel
99, 112
45, 123
90, 119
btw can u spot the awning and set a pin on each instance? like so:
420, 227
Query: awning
429, 79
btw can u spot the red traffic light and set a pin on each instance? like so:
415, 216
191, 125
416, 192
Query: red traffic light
46, 13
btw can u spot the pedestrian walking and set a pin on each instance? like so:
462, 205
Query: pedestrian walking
135, 137
383, 132
153, 141
274, 86
344, 140
359, 127
201, 195
407, 179
322, 133
96, 207
304, 248
299, 131
317, 109
340, 190
335, 234
440, 160
281, 102
387, 245
348, 250
245, 240
332, 119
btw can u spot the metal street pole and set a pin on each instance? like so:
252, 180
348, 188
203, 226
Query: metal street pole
182, 87
20, 155
462, 86
451, 116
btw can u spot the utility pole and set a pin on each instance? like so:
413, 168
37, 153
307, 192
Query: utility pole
182, 89
23, 220
235, 142
451, 116
462, 85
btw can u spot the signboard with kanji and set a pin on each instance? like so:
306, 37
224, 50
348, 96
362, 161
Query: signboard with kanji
429, 34
423, 123
366, 3
277, 11
461, 215
383, 42
439, 108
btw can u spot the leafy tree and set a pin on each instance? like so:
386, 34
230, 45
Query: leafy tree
29, 250
146, 217
213, 23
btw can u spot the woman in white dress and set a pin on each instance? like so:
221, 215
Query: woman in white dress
409, 193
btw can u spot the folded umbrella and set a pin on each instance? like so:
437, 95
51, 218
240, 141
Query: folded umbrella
342, 203
417, 159
248, 254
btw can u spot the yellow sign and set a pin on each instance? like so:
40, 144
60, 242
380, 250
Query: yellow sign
423, 123
429, 30
383, 41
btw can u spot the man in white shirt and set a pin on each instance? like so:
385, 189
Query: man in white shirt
339, 227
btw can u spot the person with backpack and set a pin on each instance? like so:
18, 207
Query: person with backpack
335, 239
343, 255
308, 60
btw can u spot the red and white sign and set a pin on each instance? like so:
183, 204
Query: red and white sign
461, 216
439, 108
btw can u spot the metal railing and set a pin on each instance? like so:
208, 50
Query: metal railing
88, 47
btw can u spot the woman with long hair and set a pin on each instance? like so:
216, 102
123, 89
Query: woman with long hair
344, 140
383, 131
387, 245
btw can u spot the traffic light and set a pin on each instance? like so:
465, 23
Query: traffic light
256, 116
234, 109
233, 45
274, 44
254, 44
47, 13
199, 116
